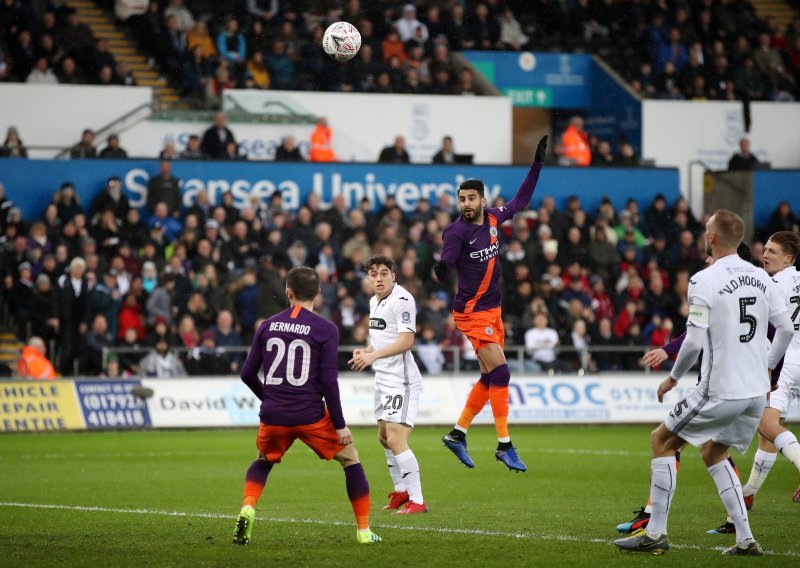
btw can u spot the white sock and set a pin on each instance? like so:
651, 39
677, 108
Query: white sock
648, 508
394, 471
409, 467
762, 463
786, 442
662, 487
460, 429
730, 491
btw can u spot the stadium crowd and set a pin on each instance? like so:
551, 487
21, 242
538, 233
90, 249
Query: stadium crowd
703, 49
88, 276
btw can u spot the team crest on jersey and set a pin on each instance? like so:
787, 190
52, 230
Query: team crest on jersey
406, 317
489, 330
493, 231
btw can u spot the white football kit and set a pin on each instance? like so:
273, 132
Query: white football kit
398, 382
784, 398
730, 304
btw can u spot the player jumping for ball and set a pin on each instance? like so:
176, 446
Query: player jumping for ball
298, 351
398, 382
471, 246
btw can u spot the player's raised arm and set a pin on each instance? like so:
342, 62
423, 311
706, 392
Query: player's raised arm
525, 191
252, 365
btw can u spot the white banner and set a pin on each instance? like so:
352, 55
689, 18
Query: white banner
675, 133
612, 398
363, 124
55, 115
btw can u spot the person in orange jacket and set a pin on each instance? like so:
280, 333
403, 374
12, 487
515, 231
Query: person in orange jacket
33, 363
575, 143
321, 150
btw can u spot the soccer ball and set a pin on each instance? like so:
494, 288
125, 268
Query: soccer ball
341, 41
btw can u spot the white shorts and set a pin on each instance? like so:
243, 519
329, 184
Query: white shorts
784, 398
397, 403
698, 419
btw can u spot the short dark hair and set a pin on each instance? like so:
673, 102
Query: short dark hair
475, 184
789, 241
304, 282
379, 260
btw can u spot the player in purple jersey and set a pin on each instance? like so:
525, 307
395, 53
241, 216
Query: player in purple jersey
471, 247
298, 352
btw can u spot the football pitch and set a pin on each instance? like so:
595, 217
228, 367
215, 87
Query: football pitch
170, 498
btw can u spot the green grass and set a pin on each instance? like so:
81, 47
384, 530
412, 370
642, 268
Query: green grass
581, 482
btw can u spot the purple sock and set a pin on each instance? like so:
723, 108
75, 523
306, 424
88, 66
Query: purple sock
485, 380
258, 472
500, 376
356, 481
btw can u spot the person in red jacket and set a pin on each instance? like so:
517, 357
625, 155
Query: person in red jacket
321, 150
33, 363
575, 143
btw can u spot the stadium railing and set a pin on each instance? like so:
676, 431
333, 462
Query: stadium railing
517, 356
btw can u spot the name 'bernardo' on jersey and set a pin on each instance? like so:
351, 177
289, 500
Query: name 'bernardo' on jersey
743, 280
288, 327
484, 255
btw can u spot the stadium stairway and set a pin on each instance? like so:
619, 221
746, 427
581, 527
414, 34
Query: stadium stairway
10, 350
781, 11
125, 50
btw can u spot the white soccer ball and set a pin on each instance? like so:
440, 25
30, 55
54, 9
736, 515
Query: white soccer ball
341, 41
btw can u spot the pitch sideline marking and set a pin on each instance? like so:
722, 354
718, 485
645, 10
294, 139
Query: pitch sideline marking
444, 530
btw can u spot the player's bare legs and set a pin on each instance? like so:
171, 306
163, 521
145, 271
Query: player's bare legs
784, 441
357, 491
403, 467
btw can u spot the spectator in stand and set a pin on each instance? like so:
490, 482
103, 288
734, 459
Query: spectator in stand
231, 44
78, 37
446, 154
165, 188
23, 55
69, 73
257, 74
225, 335
485, 29
396, 153
161, 363
321, 147
172, 46
199, 37
42, 74
43, 310
33, 362
74, 316
192, 150
182, 15
110, 198
85, 148
408, 25
207, 358
281, 66
782, 219
743, 160
98, 338
575, 144
288, 151
112, 149
541, 342
511, 36
13, 147
232, 153
266, 11
216, 137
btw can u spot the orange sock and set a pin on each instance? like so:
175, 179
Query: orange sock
254, 482
358, 493
252, 493
498, 396
475, 402
361, 511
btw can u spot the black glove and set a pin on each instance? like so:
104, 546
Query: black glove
541, 150
440, 270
